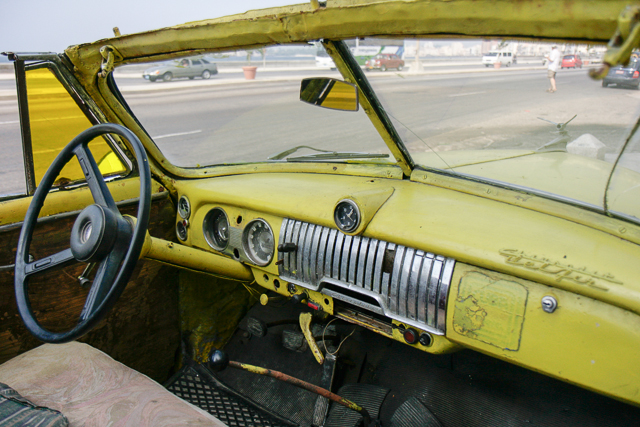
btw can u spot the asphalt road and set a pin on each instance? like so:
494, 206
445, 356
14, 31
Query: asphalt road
227, 119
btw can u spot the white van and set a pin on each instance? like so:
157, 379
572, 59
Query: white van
504, 58
323, 60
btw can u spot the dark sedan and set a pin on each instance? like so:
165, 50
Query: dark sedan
624, 76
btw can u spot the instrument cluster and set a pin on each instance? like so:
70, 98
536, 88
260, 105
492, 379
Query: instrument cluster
238, 233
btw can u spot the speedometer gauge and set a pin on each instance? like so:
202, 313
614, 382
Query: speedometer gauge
216, 229
258, 242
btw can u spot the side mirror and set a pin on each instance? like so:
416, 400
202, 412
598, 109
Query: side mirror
329, 93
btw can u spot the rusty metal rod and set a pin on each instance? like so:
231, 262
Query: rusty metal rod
305, 385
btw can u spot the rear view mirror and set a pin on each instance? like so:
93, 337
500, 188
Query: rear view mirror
329, 93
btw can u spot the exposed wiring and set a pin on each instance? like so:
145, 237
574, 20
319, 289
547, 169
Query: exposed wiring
324, 342
253, 292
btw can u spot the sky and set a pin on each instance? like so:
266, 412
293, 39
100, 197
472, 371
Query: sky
52, 25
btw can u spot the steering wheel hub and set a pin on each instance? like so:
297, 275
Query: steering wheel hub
93, 234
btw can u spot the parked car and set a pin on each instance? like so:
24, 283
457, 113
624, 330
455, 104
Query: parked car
624, 75
323, 60
179, 69
504, 58
384, 61
571, 61
422, 250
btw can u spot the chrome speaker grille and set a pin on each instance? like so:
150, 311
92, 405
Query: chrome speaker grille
405, 284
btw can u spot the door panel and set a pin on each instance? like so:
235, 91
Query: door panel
142, 331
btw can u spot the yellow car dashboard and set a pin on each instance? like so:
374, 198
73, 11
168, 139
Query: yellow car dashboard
431, 267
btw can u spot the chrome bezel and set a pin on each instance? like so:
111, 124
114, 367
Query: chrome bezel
358, 216
180, 226
207, 226
181, 212
245, 243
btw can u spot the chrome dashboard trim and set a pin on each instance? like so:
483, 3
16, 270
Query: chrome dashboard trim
405, 284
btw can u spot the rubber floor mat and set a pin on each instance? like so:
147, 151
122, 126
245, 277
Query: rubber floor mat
413, 413
232, 411
368, 396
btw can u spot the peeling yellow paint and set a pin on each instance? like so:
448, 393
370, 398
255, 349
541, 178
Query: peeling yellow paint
489, 310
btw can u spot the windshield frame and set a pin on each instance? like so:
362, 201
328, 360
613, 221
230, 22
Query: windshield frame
358, 18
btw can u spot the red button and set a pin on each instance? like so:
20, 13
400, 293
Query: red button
410, 336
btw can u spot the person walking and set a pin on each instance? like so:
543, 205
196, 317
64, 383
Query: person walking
553, 59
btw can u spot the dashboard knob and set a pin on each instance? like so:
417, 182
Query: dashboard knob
287, 247
298, 298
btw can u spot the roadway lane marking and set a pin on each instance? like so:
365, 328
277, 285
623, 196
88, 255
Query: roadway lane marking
169, 135
10, 123
467, 94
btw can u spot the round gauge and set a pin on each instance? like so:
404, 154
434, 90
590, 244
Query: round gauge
181, 230
216, 229
258, 242
184, 207
347, 215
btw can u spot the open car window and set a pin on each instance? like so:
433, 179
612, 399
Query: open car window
212, 119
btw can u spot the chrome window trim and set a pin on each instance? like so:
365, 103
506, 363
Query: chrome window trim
519, 188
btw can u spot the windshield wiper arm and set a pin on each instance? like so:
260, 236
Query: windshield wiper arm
323, 155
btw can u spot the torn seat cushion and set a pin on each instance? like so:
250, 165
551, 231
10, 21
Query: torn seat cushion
91, 389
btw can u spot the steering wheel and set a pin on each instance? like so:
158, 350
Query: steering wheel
99, 235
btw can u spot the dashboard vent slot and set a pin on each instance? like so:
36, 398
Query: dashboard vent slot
405, 284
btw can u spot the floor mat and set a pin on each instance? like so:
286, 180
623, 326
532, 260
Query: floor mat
232, 411
413, 413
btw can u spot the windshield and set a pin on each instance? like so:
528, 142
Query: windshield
452, 112
505, 124
213, 114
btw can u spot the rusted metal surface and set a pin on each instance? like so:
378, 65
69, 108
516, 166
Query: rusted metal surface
305, 385
143, 329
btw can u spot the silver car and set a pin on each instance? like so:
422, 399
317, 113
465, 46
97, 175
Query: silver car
186, 67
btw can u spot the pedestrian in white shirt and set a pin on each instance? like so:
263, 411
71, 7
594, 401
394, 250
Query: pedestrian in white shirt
554, 62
